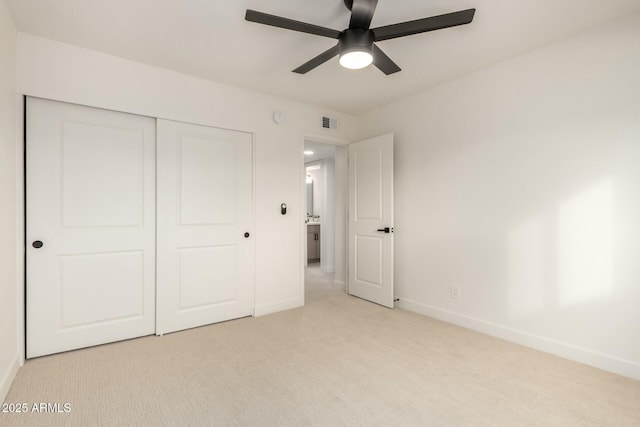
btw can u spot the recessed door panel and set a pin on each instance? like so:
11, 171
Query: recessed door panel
367, 164
208, 180
369, 260
91, 202
101, 288
102, 175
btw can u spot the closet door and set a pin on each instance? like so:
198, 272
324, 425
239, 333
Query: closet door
90, 226
205, 226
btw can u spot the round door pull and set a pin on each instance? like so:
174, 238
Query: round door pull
37, 244
246, 235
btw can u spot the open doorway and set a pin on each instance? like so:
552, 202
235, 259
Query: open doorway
325, 218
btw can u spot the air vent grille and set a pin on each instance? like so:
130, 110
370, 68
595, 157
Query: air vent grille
329, 123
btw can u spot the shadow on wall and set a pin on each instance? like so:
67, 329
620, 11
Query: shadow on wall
570, 265
581, 266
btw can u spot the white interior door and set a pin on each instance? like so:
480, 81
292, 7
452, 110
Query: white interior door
91, 202
371, 219
205, 226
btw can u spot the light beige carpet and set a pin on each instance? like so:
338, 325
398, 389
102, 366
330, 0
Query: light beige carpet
338, 361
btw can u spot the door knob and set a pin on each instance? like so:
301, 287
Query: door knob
386, 230
246, 235
37, 244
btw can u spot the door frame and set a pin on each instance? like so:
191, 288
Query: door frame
338, 142
21, 225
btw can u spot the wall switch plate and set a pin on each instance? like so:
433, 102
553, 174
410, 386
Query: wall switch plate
455, 291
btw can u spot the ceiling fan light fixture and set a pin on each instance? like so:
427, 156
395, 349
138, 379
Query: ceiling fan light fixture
356, 48
356, 59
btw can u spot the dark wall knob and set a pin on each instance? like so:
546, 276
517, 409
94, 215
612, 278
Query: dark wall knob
37, 244
246, 235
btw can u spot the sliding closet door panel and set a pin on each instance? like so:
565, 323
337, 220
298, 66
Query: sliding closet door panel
205, 207
91, 202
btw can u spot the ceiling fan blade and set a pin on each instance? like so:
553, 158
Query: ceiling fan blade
289, 24
361, 13
318, 60
423, 25
383, 62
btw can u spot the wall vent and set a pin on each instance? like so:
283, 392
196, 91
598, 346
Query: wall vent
329, 123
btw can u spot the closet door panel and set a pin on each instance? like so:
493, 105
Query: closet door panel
90, 226
205, 209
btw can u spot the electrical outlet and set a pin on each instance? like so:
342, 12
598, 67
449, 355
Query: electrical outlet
455, 291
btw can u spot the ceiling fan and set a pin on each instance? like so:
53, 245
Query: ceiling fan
356, 44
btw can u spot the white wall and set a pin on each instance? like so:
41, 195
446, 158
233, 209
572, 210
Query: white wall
9, 340
521, 184
327, 230
340, 218
63, 72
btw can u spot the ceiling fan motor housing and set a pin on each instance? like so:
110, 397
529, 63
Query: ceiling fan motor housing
356, 39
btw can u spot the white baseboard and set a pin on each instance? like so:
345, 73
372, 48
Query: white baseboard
340, 285
8, 377
261, 310
568, 351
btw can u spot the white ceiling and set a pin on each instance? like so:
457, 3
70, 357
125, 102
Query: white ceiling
211, 39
